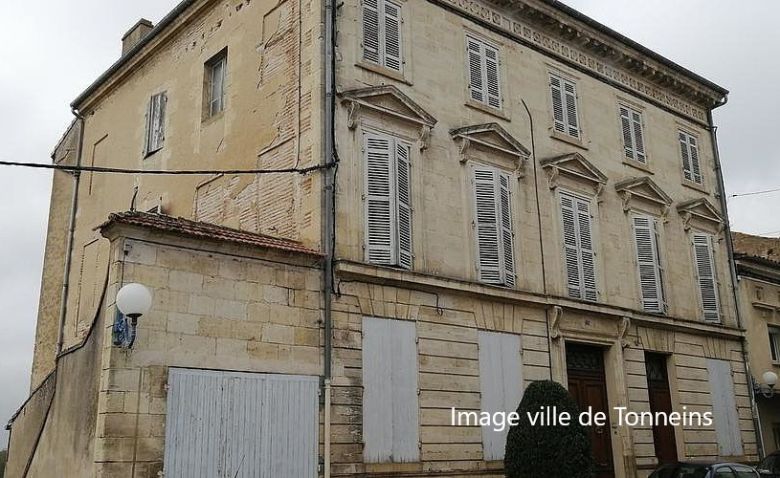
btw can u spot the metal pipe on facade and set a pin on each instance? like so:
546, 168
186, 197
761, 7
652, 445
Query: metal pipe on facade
71, 233
734, 280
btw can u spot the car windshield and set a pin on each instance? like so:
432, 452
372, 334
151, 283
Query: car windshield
690, 471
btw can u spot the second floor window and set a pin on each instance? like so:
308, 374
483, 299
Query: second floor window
579, 249
774, 344
648, 258
564, 103
388, 233
382, 33
689, 149
707, 277
216, 72
493, 226
483, 65
155, 124
633, 134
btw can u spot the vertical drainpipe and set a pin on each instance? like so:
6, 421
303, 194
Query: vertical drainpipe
734, 280
71, 234
328, 229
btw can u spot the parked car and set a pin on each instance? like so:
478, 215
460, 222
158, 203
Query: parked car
706, 470
770, 466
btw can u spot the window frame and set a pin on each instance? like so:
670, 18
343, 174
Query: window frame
153, 143
381, 53
209, 98
709, 238
660, 270
579, 198
565, 122
688, 144
484, 46
634, 157
774, 344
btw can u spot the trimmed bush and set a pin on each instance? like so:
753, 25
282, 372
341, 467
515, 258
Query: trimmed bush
548, 451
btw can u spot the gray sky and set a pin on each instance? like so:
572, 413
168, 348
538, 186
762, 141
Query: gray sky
51, 51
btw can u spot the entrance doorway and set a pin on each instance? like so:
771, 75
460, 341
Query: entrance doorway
588, 386
660, 401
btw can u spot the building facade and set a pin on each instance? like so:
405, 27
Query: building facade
502, 192
758, 269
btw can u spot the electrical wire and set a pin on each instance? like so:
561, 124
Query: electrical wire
191, 172
755, 193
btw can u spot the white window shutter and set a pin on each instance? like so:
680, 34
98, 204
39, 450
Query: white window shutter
587, 252
639, 139
572, 118
371, 33
649, 264
392, 35
476, 83
690, 157
696, 167
380, 213
633, 134
492, 79
724, 408
628, 137
571, 249
487, 226
705, 271
507, 233
557, 103
579, 250
404, 215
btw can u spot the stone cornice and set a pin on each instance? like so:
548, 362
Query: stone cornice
564, 37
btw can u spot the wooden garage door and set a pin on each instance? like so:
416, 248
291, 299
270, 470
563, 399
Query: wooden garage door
240, 425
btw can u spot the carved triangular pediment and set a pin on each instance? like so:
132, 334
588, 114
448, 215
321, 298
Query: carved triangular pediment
642, 188
491, 136
575, 166
700, 209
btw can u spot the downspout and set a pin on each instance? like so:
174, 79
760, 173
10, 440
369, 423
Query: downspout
734, 280
71, 234
328, 227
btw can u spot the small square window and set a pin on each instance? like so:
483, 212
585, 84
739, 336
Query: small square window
214, 82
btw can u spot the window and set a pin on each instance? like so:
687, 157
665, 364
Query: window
216, 70
388, 201
382, 33
633, 136
689, 150
483, 64
724, 408
774, 465
564, 102
648, 259
390, 404
774, 344
579, 250
501, 385
495, 235
707, 277
155, 124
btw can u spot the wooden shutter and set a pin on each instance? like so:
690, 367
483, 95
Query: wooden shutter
695, 166
404, 203
371, 34
392, 35
649, 264
724, 408
494, 231
705, 271
633, 135
380, 210
639, 139
501, 384
628, 137
492, 79
476, 83
579, 253
390, 403
690, 157
557, 104
564, 102
155, 128
572, 118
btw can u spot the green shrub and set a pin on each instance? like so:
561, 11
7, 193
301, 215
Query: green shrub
548, 451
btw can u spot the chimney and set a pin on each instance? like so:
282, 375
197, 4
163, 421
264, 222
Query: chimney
136, 34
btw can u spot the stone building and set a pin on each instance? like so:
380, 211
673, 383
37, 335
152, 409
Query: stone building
447, 201
758, 271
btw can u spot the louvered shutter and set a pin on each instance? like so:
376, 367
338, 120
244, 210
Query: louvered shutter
507, 233
695, 166
648, 261
690, 157
571, 250
404, 205
628, 137
686, 159
587, 253
579, 253
476, 85
380, 214
392, 35
572, 120
705, 271
487, 226
633, 135
639, 139
492, 77
371, 33
557, 103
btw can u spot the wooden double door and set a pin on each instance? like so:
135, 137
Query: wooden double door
588, 386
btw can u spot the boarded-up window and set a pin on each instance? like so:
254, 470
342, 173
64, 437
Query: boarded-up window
633, 134
648, 258
241, 425
501, 384
390, 405
565, 109
382, 33
155, 124
493, 225
483, 71
707, 277
579, 247
724, 408
388, 233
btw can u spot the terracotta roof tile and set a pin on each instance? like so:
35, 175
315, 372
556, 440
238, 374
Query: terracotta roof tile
203, 230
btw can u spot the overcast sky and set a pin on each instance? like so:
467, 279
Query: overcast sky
52, 50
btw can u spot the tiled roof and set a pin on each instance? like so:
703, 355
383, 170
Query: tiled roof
203, 230
767, 248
